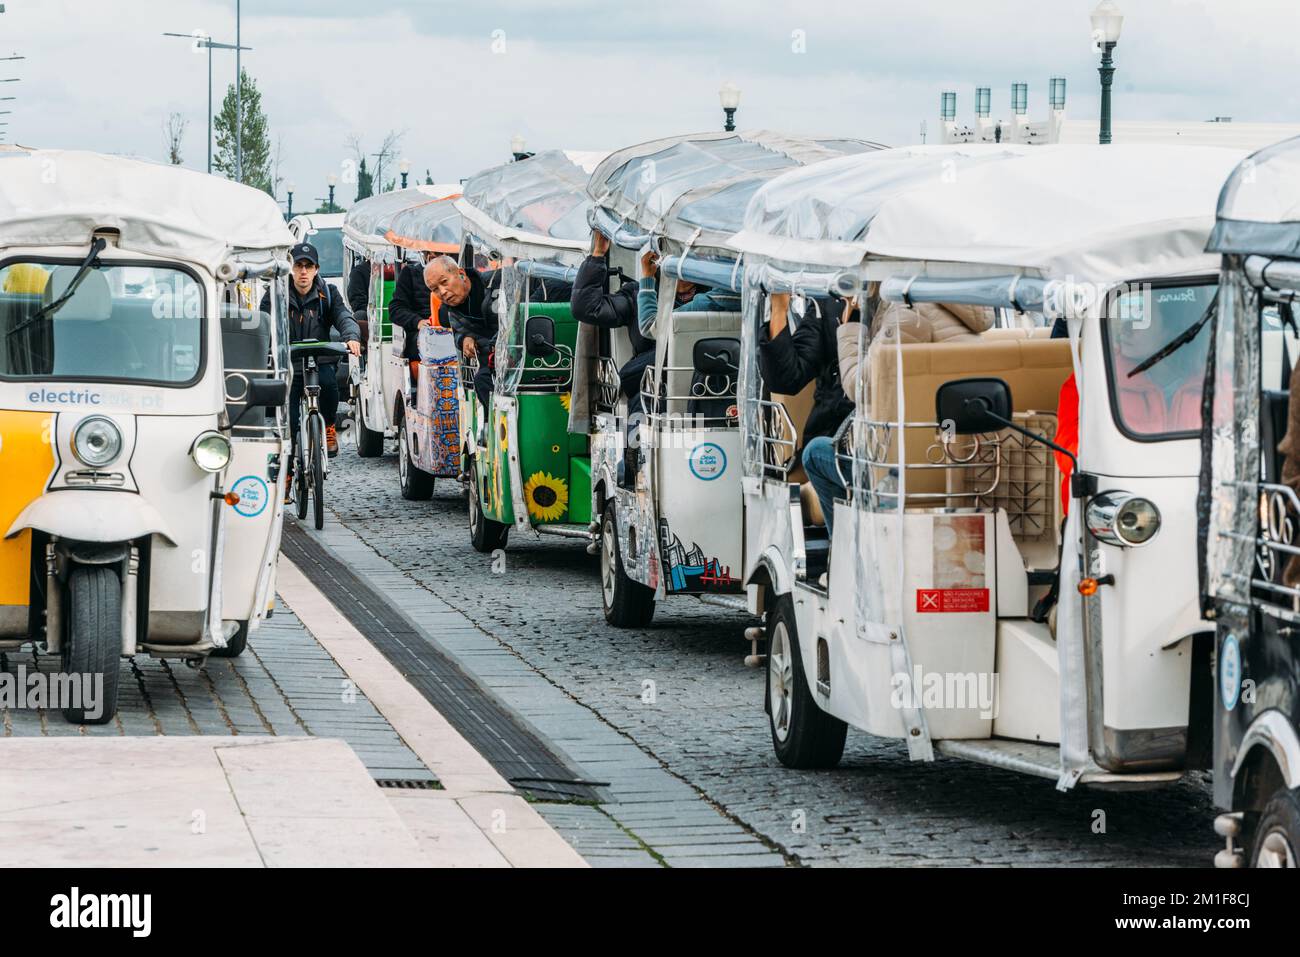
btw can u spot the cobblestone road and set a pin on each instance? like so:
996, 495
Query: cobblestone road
707, 725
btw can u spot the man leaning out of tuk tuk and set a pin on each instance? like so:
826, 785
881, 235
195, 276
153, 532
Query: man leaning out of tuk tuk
463, 294
314, 306
922, 322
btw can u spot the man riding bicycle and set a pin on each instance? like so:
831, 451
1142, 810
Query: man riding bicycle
314, 306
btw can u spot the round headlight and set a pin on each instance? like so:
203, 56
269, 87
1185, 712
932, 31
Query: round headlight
1121, 518
211, 451
97, 441
1137, 521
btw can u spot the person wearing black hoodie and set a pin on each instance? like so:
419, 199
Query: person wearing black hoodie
592, 303
409, 305
790, 360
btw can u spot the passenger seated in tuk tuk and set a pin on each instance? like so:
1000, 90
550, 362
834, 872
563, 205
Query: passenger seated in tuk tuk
463, 293
922, 322
689, 298
314, 307
593, 304
409, 305
359, 295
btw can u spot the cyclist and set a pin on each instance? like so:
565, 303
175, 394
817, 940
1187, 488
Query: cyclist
314, 306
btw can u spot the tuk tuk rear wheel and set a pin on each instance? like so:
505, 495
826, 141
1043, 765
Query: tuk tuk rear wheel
485, 535
417, 485
803, 735
93, 642
236, 645
1276, 839
627, 603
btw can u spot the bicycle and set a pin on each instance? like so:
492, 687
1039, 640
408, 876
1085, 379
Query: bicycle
309, 443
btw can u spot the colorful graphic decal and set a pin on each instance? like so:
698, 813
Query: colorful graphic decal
437, 422
546, 496
689, 570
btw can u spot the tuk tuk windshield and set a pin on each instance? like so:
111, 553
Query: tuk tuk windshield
329, 244
1163, 401
127, 323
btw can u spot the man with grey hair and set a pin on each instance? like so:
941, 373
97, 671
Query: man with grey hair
464, 307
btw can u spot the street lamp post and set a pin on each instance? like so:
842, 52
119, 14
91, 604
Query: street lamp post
210, 44
729, 97
1107, 22
288, 188
239, 103
404, 167
333, 181
517, 144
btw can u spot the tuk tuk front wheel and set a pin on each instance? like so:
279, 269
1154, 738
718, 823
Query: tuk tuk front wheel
485, 535
628, 603
417, 485
236, 645
1277, 836
803, 735
92, 645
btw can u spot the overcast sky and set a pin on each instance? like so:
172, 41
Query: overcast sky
462, 78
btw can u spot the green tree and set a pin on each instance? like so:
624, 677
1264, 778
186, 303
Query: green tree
256, 136
365, 181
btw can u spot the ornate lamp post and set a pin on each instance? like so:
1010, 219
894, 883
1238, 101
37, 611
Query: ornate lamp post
1107, 21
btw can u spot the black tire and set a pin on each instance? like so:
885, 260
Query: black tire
417, 485
92, 640
300, 484
370, 444
627, 603
803, 735
317, 433
485, 535
1276, 838
236, 645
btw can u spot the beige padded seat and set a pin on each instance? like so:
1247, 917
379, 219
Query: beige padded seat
1034, 368
688, 329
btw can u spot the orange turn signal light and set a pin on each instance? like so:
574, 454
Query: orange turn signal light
232, 498
1088, 586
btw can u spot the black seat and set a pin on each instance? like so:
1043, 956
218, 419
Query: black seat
713, 384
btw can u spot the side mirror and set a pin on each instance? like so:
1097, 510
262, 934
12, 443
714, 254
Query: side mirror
539, 336
271, 393
716, 356
973, 405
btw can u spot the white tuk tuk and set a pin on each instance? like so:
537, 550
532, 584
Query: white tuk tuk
935, 622
376, 377
141, 411
672, 524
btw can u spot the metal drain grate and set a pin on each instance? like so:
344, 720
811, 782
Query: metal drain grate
409, 784
482, 719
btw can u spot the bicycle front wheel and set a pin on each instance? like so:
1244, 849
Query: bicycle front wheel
318, 470
299, 479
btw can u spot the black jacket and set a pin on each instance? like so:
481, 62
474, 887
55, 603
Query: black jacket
409, 305
610, 310
472, 317
311, 316
789, 362
359, 287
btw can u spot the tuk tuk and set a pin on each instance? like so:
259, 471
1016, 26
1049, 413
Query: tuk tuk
1251, 512
376, 378
525, 469
971, 603
142, 426
428, 404
674, 524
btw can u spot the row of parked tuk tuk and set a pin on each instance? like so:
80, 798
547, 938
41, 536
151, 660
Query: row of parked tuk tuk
1065, 544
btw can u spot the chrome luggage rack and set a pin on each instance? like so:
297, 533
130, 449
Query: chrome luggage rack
655, 399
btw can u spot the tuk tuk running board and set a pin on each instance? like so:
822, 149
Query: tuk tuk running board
1044, 761
730, 602
566, 531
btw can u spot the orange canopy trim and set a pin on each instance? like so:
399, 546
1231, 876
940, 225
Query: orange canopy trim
410, 242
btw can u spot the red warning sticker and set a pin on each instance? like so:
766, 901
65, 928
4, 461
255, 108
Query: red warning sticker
952, 600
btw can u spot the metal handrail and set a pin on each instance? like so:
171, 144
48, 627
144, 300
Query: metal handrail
655, 400
877, 436
608, 385
776, 451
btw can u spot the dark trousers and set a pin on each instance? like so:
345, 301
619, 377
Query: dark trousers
483, 384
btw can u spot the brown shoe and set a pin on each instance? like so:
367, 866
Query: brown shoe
331, 441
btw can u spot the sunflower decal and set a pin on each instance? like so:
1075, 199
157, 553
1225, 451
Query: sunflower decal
546, 496
566, 400
503, 433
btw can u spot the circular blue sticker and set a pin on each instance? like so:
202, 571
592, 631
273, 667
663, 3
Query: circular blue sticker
254, 495
707, 461
1229, 672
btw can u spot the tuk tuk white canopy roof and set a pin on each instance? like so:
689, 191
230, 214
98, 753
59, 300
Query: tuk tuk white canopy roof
532, 207
367, 223
59, 197
1259, 208
694, 188
1099, 213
